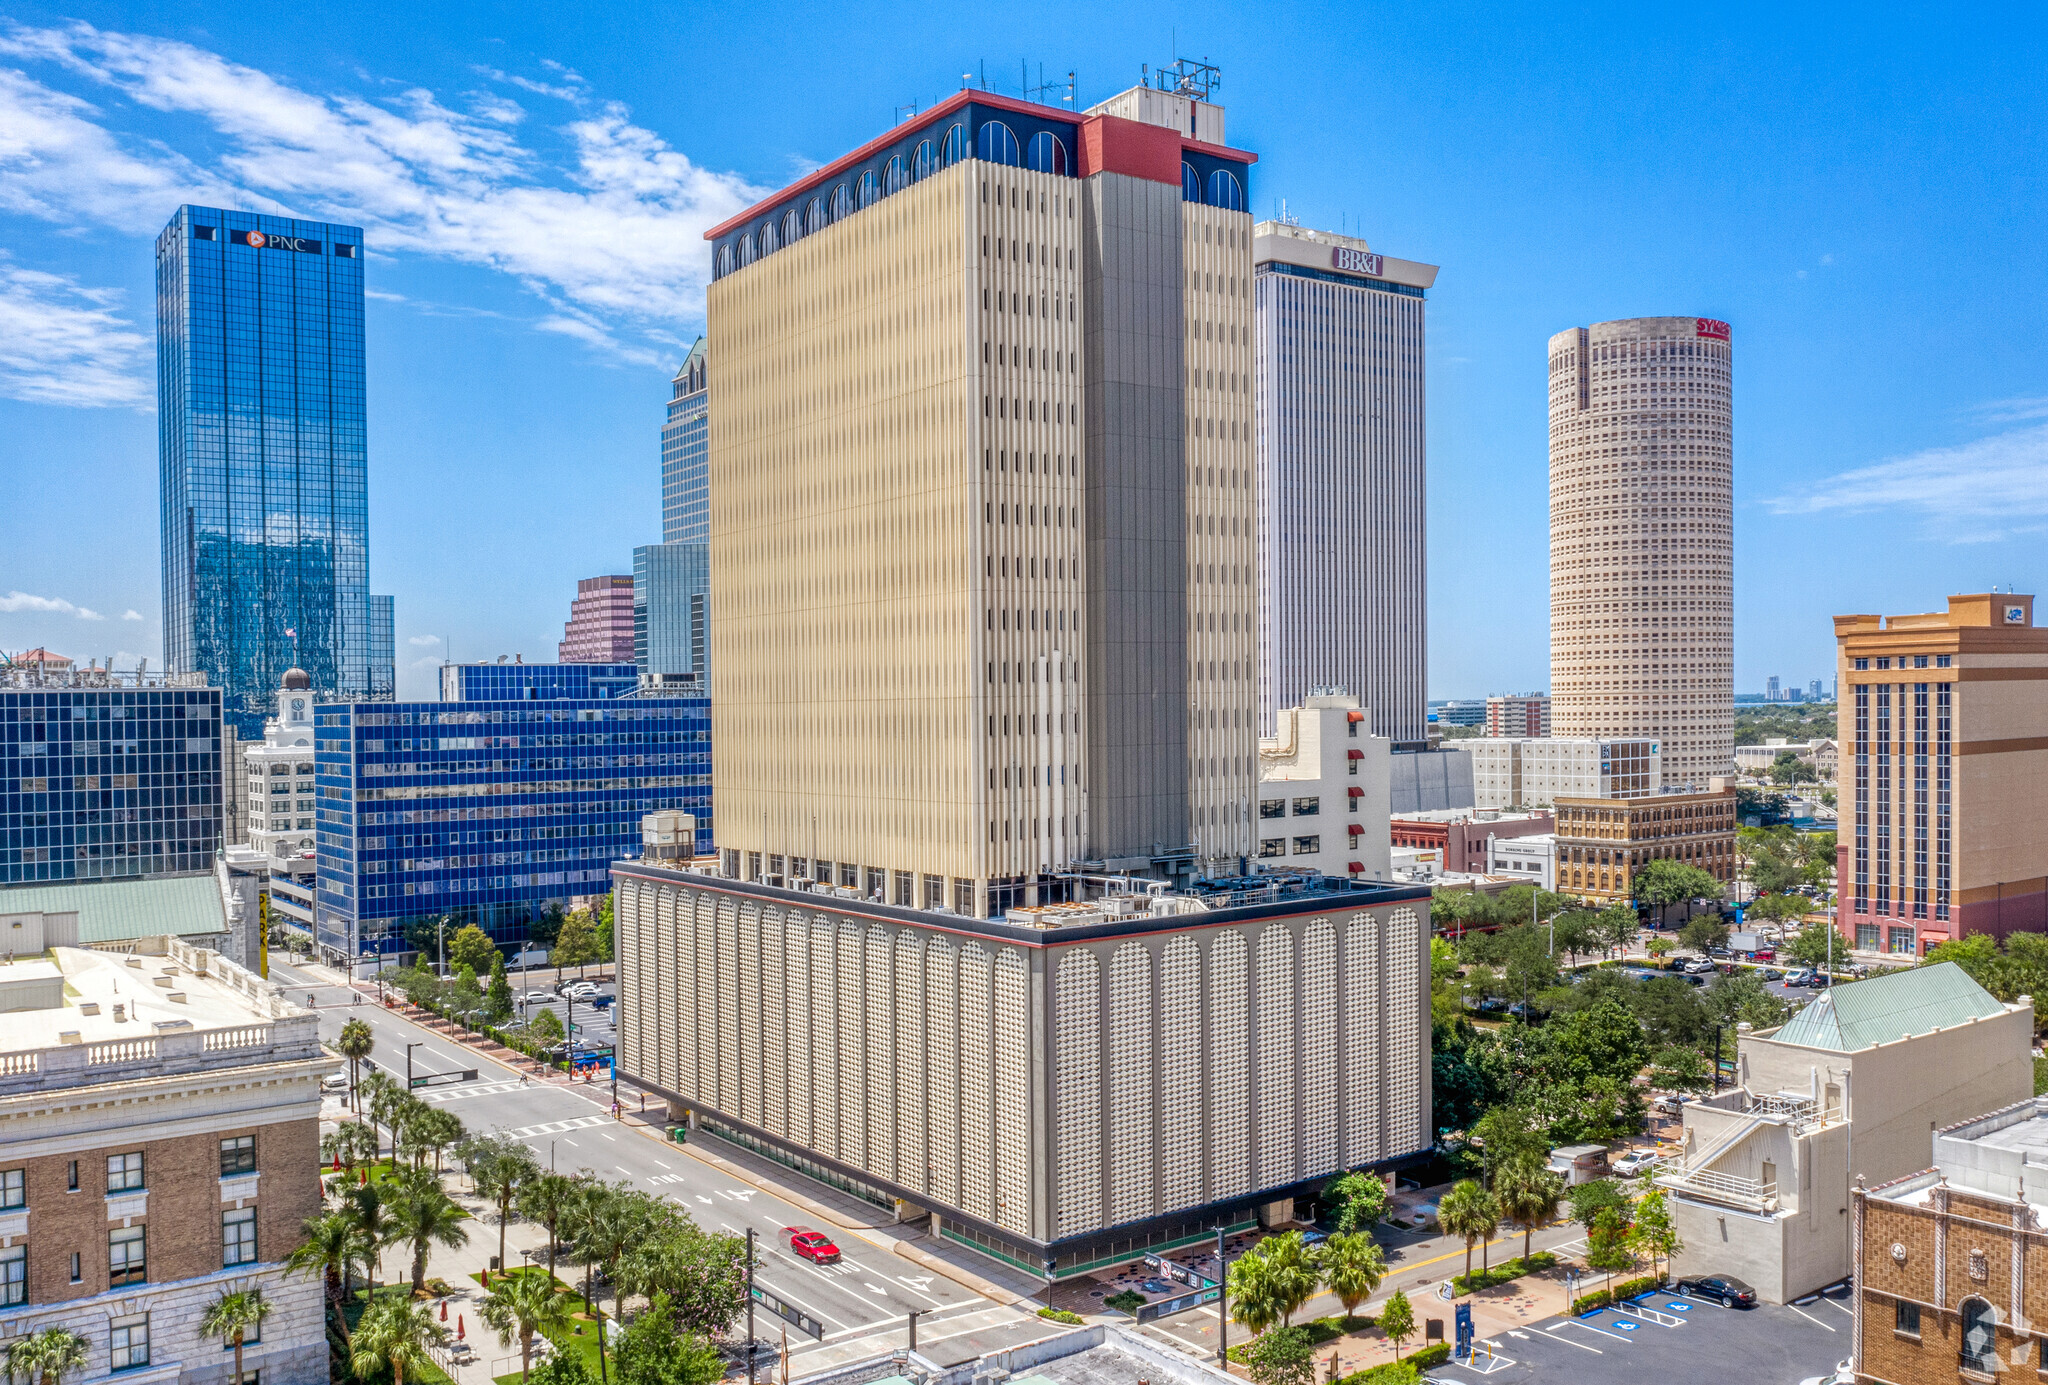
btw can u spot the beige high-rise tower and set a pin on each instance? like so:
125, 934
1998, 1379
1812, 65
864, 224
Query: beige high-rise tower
1641, 540
982, 508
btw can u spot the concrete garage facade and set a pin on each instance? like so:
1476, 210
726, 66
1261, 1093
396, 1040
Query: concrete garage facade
1062, 1087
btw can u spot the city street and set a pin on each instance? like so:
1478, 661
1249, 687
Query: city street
862, 1301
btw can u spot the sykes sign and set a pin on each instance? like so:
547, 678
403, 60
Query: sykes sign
1708, 327
1358, 262
268, 240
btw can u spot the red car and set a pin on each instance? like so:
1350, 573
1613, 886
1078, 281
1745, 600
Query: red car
814, 1246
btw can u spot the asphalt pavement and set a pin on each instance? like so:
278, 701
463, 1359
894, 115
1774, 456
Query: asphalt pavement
863, 1301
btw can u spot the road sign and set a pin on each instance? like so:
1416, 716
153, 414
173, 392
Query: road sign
789, 1313
442, 1079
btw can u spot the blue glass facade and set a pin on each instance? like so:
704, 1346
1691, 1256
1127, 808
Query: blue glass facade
530, 682
672, 579
262, 462
686, 454
108, 783
488, 812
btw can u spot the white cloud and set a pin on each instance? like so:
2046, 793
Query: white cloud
2011, 410
131, 615
424, 640
54, 605
1976, 492
609, 221
63, 343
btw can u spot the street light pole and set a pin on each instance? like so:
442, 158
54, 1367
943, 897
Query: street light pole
750, 1308
408, 1065
1222, 1304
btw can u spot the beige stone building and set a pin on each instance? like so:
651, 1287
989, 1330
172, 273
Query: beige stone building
1641, 540
982, 508
1849, 1087
1944, 788
1603, 842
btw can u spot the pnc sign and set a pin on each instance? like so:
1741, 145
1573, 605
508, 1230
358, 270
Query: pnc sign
1358, 261
263, 240
1710, 328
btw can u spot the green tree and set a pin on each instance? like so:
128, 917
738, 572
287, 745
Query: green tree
47, 1356
1607, 1242
330, 1250
1816, 945
1469, 1211
1505, 1134
1576, 931
395, 1332
606, 950
465, 996
701, 1275
1617, 927
369, 1216
1703, 933
1741, 998
1397, 1320
499, 1166
348, 1144
562, 1368
549, 1199
1788, 768
653, 1351
1357, 1201
1284, 1356
577, 942
546, 1027
1589, 1200
1603, 1041
1253, 1291
1663, 883
522, 1303
423, 1216
498, 998
1653, 1233
232, 1316
1353, 1266
469, 946
1678, 1069
1529, 1195
355, 1044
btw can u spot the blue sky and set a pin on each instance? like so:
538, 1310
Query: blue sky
1863, 194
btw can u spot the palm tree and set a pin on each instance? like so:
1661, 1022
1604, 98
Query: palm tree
611, 1220
330, 1250
1254, 1296
423, 1216
369, 1216
1468, 1211
231, 1316
1528, 1194
355, 1044
47, 1355
1354, 1268
378, 1094
499, 1167
1297, 1272
397, 1333
519, 1305
547, 1199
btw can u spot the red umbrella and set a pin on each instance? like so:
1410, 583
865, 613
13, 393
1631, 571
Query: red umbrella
337, 1163
444, 1310
458, 1327
487, 1279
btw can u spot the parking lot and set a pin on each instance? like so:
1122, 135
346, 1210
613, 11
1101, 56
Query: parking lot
1672, 1341
596, 1024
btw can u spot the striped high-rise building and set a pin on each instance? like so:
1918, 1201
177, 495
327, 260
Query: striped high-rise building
1342, 460
1642, 540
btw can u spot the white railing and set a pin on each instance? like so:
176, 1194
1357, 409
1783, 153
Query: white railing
248, 1036
120, 1051
1727, 1185
1803, 1112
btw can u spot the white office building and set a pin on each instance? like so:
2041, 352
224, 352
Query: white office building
1341, 463
1324, 790
1520, 772
1524, 860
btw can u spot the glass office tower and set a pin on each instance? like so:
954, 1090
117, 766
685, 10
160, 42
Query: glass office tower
261, 460
672, 579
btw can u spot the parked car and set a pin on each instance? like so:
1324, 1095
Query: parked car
334, 1084
535, 998
1670, 1104
1769, 974
577, 990
1634, 1162
1724, 1289
1764, 954
814, 1246
1798, 976
1698, 966
1820, 980
1719, 954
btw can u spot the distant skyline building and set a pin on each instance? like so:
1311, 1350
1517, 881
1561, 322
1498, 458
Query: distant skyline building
522, 682
1510, 715
672, 579
1342, 477
600, 625
1641, 540
262, 460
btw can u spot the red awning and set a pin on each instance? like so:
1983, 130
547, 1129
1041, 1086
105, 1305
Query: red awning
1354, 716
1354, 828
1355, 791
1354, 754
1358, 866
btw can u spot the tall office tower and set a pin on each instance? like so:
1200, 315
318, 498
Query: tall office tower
686, 453
1341, 465
672, 579
1945, 820
1641, 531
600, 625
982, 511
261, 460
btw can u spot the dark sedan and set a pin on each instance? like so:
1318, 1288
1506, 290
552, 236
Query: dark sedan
1724, 1289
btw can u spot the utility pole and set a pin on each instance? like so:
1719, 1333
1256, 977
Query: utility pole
1222, 1304
750, 1309
914, 1314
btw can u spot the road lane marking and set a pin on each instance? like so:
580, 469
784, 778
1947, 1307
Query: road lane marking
1551, 1333
1811, 1318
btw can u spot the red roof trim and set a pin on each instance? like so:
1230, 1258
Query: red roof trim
932, 117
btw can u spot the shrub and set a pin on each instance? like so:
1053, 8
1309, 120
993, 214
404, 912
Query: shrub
1387, 1373
1626, 1289
1503, 1273
1060, 1315
1128, 1301
1430, 1356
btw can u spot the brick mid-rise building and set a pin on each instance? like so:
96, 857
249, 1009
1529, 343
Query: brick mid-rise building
1952, 1262
159, 1147
1603, 842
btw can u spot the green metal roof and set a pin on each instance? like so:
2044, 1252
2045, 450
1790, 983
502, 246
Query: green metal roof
118, 911
1862, 1014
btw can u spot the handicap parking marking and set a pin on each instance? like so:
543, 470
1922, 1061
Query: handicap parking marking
1621, 1324
1678, 1306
